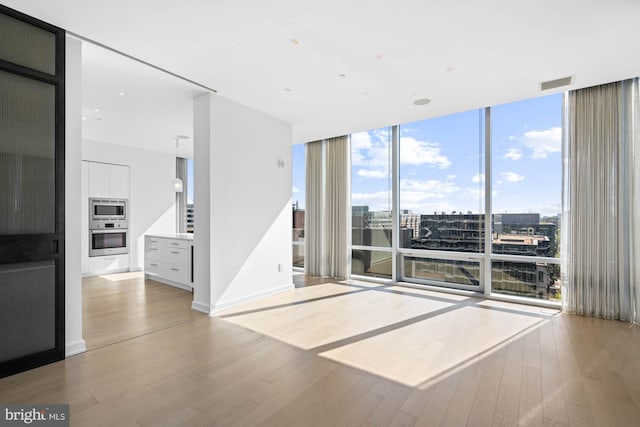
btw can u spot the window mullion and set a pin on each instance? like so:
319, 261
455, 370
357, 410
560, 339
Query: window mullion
488, 232
395, 201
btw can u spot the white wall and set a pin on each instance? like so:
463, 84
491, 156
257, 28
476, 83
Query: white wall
248, 196
73, 137
152, 199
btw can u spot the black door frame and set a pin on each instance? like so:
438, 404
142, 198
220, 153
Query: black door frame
26, 248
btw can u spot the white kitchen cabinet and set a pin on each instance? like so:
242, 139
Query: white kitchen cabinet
119, 181
108, 264
108, 181
167, 259
99, 185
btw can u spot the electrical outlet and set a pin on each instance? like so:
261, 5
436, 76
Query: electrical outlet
280, 267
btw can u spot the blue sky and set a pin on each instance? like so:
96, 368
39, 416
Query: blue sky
442, 162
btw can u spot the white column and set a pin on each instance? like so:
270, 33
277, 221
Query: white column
73, 234
202, 238
242, 202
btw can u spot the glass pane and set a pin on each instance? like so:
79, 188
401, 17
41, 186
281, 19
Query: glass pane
298, 256
27, 308
109, 240
298, 192
442, 183
190, 218
27, 155
371, 188
371, 263
440, 270
527, 176
26, 45
527, 279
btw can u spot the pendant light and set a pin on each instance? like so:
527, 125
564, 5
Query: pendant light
178, 185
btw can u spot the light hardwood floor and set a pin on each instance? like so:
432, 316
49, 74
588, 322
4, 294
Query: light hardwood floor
118, 307
350, 354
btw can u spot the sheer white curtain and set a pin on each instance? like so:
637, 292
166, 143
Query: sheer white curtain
314, 208
601, 240
327, 208
337, 202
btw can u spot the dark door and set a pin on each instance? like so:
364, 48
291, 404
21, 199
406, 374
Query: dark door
31, 193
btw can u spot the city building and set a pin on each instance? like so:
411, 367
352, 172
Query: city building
190, 218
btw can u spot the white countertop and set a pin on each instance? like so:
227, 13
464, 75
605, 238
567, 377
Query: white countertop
178, 236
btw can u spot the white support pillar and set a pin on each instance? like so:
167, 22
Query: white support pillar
202, 237
242, 204
74, 343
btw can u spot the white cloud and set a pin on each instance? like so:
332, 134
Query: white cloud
511, 176
513, 154
431, 189
371, 151
372, 173
512, 138
479, 177
542, 143
295, 189
414, 152
451, 177
360, 141
476, 194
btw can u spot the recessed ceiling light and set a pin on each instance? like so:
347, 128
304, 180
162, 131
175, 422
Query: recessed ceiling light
97, 110
84, 118
422, 101
449, 68
342, 76
122, 93
98, 118
286, 89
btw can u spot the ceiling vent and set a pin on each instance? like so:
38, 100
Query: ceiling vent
552, 84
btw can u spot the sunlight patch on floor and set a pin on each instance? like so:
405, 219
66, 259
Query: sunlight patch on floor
408, 335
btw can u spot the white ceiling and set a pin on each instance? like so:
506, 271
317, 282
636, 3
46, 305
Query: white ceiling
461, 54
155, 108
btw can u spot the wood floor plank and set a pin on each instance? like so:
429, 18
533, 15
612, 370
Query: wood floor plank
328, 354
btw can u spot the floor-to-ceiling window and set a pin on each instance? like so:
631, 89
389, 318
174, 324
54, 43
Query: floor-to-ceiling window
478, 200
298, 196
527, 197
441, 207
371, 192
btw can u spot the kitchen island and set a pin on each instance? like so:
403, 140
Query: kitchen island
168, 258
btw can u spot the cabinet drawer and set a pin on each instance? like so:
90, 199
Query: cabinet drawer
176, 244
179, 257
153, 267
177, 274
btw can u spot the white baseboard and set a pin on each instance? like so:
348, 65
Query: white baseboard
225, 305
75, 348
168, 282
104, 273
203, 308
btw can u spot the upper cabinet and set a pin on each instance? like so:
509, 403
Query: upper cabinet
119, 181
109, 181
